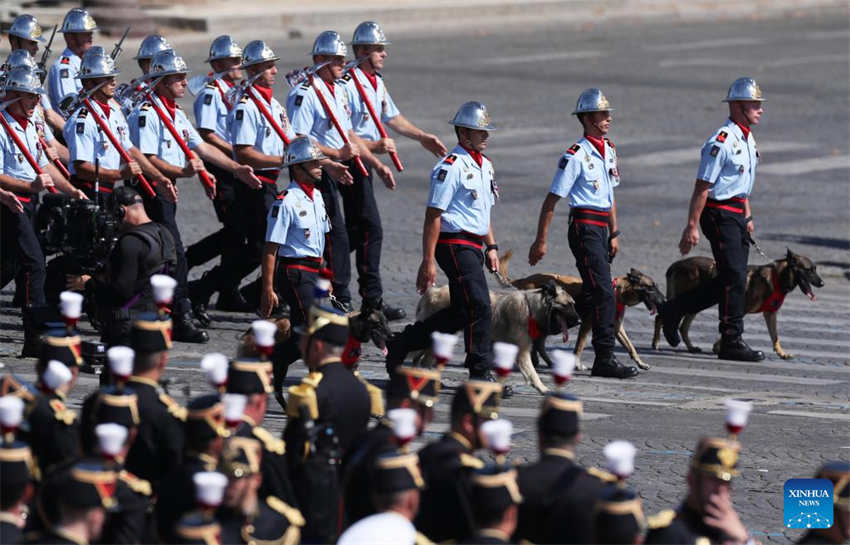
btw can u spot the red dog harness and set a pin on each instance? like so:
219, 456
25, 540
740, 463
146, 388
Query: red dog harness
776, 298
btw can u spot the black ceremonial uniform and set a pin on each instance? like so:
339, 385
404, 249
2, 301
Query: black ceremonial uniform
357, 481
274, 522
177, 492
680, 527
444, 511
159, 445
10, 532
575, 492
53, 431
537, 485
131, 522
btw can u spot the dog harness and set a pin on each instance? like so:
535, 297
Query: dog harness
776, 298
351, 352
621, 306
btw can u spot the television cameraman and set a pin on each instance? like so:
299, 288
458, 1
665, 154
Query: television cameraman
122, 289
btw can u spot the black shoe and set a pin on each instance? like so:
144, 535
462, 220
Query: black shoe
342, 306
670, 319
187, 332
395, 352
199, 291
393, 313
611, 368
736, 349
507, 389
233, 302
204, 318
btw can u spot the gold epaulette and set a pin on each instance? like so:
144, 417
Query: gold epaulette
304, 394
376, 396
269, 441
174, 409
61, 412
138, 485
602, 475
422, 539
468, 460
661, 520
292, 514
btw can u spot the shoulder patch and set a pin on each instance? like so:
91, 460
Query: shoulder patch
81, 128
346, 77
610, 143
299, 99
240, 114
661, 520
143, 121
562, 164
282, 195
441, 176
174, 408
270, 442
63, 73
721, 136
714, 151
208, 99
602, 475
468, 460
65, 60
573, 149
137, 485
450, 159
292, 514
61, 412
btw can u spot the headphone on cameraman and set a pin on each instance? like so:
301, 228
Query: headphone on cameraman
122, 197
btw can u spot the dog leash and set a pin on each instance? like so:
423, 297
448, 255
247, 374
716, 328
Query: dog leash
756, 246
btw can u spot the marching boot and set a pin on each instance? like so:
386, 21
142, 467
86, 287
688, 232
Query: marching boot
35, 321
233, 301
185, 329
200, 291
734, 348
609, 367
393, 313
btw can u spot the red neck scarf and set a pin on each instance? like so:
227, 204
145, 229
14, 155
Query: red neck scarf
476, 155
598, 143
373, 79
169, 104
745, 130
22, 121
104, 107
306, 188
265, 92
331, 88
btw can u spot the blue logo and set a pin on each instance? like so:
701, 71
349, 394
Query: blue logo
808, 503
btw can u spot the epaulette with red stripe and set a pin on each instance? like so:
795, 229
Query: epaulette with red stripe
721, 136
573, 149
450, 159
65, 60
282, 194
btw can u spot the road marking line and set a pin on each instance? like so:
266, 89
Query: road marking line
811, 414
772, 364
704, 44
709, 373
805, 166
539, 57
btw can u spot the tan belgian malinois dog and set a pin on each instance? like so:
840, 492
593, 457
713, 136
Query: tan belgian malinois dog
767, 286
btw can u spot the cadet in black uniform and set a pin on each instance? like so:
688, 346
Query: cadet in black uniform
159, 445
252, 378
445, 511
495, 499
84, 492
16, 488
714, 463
618, 517
409, 387
839, 473
244, 515
326, 412
197, 528
204, 434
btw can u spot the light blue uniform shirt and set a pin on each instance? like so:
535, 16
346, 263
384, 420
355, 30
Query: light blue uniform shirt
85, 139
211, 110
381, 100
309, 117
40, 120
12, 160
298, 224
728, 162
586, 177
464, 192
149, 134
62, 78
249, 127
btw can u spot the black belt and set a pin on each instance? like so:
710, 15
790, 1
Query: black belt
735, 204
590, 216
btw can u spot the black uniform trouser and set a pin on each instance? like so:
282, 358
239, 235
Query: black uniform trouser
337, 252
589, 244
469, 308
22, 257
365, 234
165, 213
212, 245
294, 281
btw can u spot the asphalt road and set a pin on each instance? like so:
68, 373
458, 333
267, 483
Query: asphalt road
666, 82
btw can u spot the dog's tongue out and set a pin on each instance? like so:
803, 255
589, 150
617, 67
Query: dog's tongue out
384, 351
811, 295
565, 329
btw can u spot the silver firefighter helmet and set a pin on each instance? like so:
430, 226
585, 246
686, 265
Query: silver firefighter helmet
150, 46
473, 115
224, 47
78, 20
23, 79
301, 150
592, 100
257, 52
167, 63
369, 33
26, 26
329, 43
20, 57
97, 63
744, 89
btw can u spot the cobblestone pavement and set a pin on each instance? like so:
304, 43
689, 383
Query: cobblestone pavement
666, 83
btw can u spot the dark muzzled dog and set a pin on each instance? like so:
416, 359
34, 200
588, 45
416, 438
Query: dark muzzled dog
767, 287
